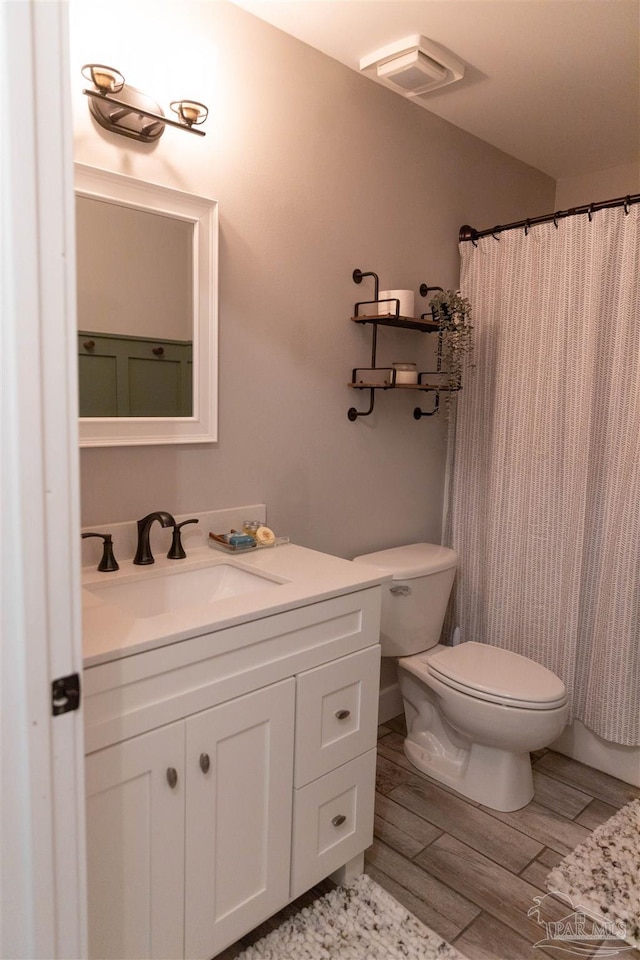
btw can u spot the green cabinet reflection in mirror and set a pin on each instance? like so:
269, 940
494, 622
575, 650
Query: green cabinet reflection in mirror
122, 376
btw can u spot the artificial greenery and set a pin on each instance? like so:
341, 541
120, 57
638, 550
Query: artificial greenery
452, 312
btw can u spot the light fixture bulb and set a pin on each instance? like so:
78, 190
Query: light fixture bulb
190, 111
105, 79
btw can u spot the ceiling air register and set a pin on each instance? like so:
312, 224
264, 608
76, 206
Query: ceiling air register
413, 67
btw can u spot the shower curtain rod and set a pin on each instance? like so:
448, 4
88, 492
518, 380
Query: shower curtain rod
470, 233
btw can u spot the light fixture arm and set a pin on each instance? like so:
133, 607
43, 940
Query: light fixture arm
128, 108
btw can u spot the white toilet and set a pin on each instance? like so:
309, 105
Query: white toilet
473, 711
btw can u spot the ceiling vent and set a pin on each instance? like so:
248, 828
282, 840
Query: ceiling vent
413, 66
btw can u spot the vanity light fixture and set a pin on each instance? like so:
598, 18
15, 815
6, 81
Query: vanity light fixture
132, 113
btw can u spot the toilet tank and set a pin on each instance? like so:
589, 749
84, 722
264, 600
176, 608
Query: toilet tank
414, 603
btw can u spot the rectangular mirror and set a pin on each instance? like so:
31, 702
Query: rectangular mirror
147, 312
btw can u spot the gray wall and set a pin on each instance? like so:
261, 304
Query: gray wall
602, 185
317, 171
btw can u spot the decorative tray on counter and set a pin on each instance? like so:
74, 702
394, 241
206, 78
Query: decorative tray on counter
217, 541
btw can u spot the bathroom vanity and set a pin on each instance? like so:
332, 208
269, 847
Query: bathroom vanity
230, 734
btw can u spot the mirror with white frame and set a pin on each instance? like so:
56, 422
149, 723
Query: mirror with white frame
146, 260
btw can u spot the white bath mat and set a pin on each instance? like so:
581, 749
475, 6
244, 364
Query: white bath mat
602, 875
360, 921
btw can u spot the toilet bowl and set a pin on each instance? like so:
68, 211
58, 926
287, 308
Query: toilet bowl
473, 711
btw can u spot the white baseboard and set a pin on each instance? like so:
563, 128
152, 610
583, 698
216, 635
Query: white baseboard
390, 703
580, 743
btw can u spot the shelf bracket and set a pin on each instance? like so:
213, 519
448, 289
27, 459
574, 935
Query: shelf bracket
418, 414
353, 414
358, 276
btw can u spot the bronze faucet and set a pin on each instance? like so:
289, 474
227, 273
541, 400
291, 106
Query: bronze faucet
143, 553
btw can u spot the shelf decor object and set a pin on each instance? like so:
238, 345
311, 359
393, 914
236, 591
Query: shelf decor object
375, 378
452, 312
132, 113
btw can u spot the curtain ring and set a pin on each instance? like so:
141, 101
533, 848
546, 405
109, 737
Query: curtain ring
527, 225
555, 219
494, 237
627, 202
474, 241
590, 212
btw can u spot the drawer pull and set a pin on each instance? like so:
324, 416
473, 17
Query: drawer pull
172, 777
205, 762
343, 714
338, 820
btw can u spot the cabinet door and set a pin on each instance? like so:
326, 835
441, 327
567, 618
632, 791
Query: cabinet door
240, 771
135, 847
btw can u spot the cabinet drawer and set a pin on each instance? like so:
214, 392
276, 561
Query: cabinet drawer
332, 821
336, 713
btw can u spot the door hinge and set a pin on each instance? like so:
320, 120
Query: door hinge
65, 694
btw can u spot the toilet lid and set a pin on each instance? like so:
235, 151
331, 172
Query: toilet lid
412, 561
490, 672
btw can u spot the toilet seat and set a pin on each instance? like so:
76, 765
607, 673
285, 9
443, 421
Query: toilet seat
492, 674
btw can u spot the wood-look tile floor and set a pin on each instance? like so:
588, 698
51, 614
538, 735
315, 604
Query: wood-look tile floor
468, 872
471, 873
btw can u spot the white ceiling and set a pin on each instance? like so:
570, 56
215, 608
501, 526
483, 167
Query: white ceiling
555, 83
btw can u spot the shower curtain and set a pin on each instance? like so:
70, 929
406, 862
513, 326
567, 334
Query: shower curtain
545, 491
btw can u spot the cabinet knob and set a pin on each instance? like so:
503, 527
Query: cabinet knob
205, 762
338, 820
158, 351
172, 777
342, 714
88, 344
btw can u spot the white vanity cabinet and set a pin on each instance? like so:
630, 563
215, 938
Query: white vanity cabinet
227, 773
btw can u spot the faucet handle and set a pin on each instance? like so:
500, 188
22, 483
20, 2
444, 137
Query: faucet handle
176, 551
108, 562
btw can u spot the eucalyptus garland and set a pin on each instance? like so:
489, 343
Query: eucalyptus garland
452, 312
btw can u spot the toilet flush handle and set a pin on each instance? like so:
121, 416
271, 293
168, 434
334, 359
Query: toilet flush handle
402, 590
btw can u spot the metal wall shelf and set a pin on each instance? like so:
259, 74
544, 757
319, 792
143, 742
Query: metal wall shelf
362, 385
395, 320
423, 324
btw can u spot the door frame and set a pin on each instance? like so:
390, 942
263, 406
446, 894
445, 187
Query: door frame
42, 819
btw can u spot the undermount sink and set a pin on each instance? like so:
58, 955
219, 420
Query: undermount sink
172, 591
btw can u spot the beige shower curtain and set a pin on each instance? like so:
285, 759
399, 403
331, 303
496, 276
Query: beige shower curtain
545, 490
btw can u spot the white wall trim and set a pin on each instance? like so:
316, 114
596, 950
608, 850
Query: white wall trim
43, 851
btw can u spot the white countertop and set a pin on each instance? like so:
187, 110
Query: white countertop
305, 576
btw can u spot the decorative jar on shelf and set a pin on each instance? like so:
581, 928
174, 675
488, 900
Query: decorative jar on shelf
405, 372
